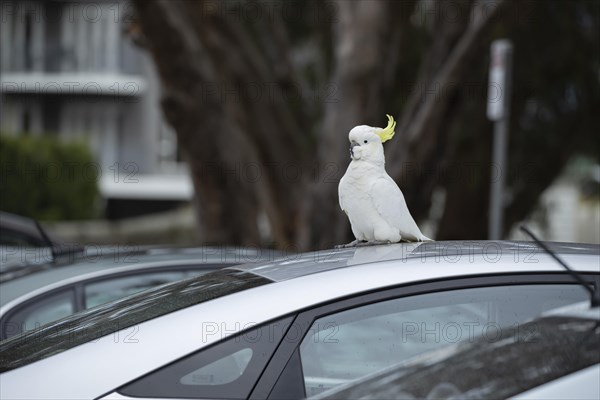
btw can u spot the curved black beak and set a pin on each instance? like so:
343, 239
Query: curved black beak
353, 144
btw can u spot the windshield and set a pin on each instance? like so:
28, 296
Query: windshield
108, 318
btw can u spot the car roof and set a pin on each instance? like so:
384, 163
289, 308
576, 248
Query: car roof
104, 264
298, 265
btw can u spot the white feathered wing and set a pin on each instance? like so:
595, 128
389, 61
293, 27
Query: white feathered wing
389, 202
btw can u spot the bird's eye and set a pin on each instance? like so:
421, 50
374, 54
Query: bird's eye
365, 141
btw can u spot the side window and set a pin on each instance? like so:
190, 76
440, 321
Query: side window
40, 312
101, 292
344, 346
226, 370
220, 372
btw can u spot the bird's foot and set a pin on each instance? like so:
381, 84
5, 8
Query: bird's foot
362, 243
373, 243
354, 243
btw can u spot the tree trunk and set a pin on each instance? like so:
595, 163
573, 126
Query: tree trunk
237, 143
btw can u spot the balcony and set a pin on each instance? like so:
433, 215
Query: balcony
74, 83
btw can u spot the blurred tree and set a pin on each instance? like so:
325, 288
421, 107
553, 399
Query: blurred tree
262, 95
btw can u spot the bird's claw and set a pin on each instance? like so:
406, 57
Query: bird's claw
373, 243
362, 243
353, 243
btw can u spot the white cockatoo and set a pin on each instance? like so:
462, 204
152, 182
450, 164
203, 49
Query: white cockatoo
373, 202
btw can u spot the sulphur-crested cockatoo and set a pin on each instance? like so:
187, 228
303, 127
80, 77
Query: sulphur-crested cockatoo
373, 202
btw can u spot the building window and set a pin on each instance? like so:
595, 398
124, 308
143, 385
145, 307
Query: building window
28, 27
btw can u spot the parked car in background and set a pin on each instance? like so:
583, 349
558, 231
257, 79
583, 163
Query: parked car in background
296, 327
556, 355
18, 231
42, 292
23, 242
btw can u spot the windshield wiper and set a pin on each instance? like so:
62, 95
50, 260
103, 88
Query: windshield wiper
594, 295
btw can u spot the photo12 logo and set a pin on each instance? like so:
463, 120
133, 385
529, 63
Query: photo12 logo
466, 331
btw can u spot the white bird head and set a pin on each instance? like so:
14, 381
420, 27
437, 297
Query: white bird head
366, 142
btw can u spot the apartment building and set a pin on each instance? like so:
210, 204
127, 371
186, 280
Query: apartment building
69, 68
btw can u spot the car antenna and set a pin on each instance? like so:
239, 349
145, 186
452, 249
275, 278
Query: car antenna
594, 298
46, 239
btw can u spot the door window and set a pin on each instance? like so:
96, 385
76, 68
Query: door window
228, 370
353, 343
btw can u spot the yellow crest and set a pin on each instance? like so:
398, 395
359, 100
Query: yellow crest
388, 132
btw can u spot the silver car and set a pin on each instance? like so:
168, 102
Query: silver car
44, 291
295, 327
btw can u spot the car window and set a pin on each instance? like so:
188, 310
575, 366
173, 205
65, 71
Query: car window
546, 349
227, 370
43, 311
344, 346
115, 288
582, 384
53, 308
220, 372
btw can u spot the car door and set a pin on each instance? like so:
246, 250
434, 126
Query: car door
326, 346
352, 338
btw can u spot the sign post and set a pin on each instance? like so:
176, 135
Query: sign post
498, 110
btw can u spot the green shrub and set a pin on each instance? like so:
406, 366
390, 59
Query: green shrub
47, 179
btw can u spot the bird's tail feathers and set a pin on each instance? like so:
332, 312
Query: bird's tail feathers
416, 238
424, 238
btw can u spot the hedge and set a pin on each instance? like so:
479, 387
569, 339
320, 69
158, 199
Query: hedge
44, 178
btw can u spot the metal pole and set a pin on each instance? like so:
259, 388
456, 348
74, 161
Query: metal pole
497, 180
500, 79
